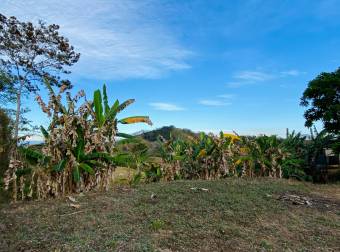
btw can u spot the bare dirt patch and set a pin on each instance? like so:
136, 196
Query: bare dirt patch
310, 200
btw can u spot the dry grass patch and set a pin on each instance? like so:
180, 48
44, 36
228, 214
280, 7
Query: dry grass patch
233, 215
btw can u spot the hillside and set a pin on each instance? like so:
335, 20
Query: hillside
231, 215
166, 132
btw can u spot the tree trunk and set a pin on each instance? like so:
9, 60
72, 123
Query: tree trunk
17, 115
13, 153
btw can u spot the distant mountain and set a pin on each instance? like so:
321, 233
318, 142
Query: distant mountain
166, 132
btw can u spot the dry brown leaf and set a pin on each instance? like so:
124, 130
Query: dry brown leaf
77, 206
71, 198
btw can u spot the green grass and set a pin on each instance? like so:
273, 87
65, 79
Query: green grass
234, 214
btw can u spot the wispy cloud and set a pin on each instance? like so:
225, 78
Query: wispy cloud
252, 76
244, 78
116, 39
215, 103
292, 72
166, 106
236, 84
226, 96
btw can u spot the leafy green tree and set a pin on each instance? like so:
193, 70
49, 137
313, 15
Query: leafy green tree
30, 54
322, 97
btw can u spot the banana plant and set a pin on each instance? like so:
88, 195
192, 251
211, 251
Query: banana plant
106, 115
295, 163
204, 147
172, 150
136, 150
154, 173
173, 153
265, 155
85, 162
89, 162
79, 142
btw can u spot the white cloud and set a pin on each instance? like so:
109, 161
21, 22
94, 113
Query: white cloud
244, 78
116, 39
253, 76
215, 103
34, 138
226, 96
236, 84
292, 72
165, 106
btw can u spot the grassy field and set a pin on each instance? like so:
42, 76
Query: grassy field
232, 215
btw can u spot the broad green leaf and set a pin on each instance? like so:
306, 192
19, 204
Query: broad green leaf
95, 163
76, 174
44, 132
34, 156
124, 135
60, 166
115, 106
98, 107
178, 157
136, 179
106, 102
133, 140
86, 168
121, 159
80, 148
113, 112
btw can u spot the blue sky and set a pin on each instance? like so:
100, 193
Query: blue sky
204, 65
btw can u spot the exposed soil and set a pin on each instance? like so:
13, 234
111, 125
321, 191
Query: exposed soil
311, 201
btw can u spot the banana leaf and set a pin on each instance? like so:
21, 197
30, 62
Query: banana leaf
125, 104
60, 166
105, 100
136, 119
98, 107
113, 112
86, 168
125, 135
34, 157
76, 174
44, 132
